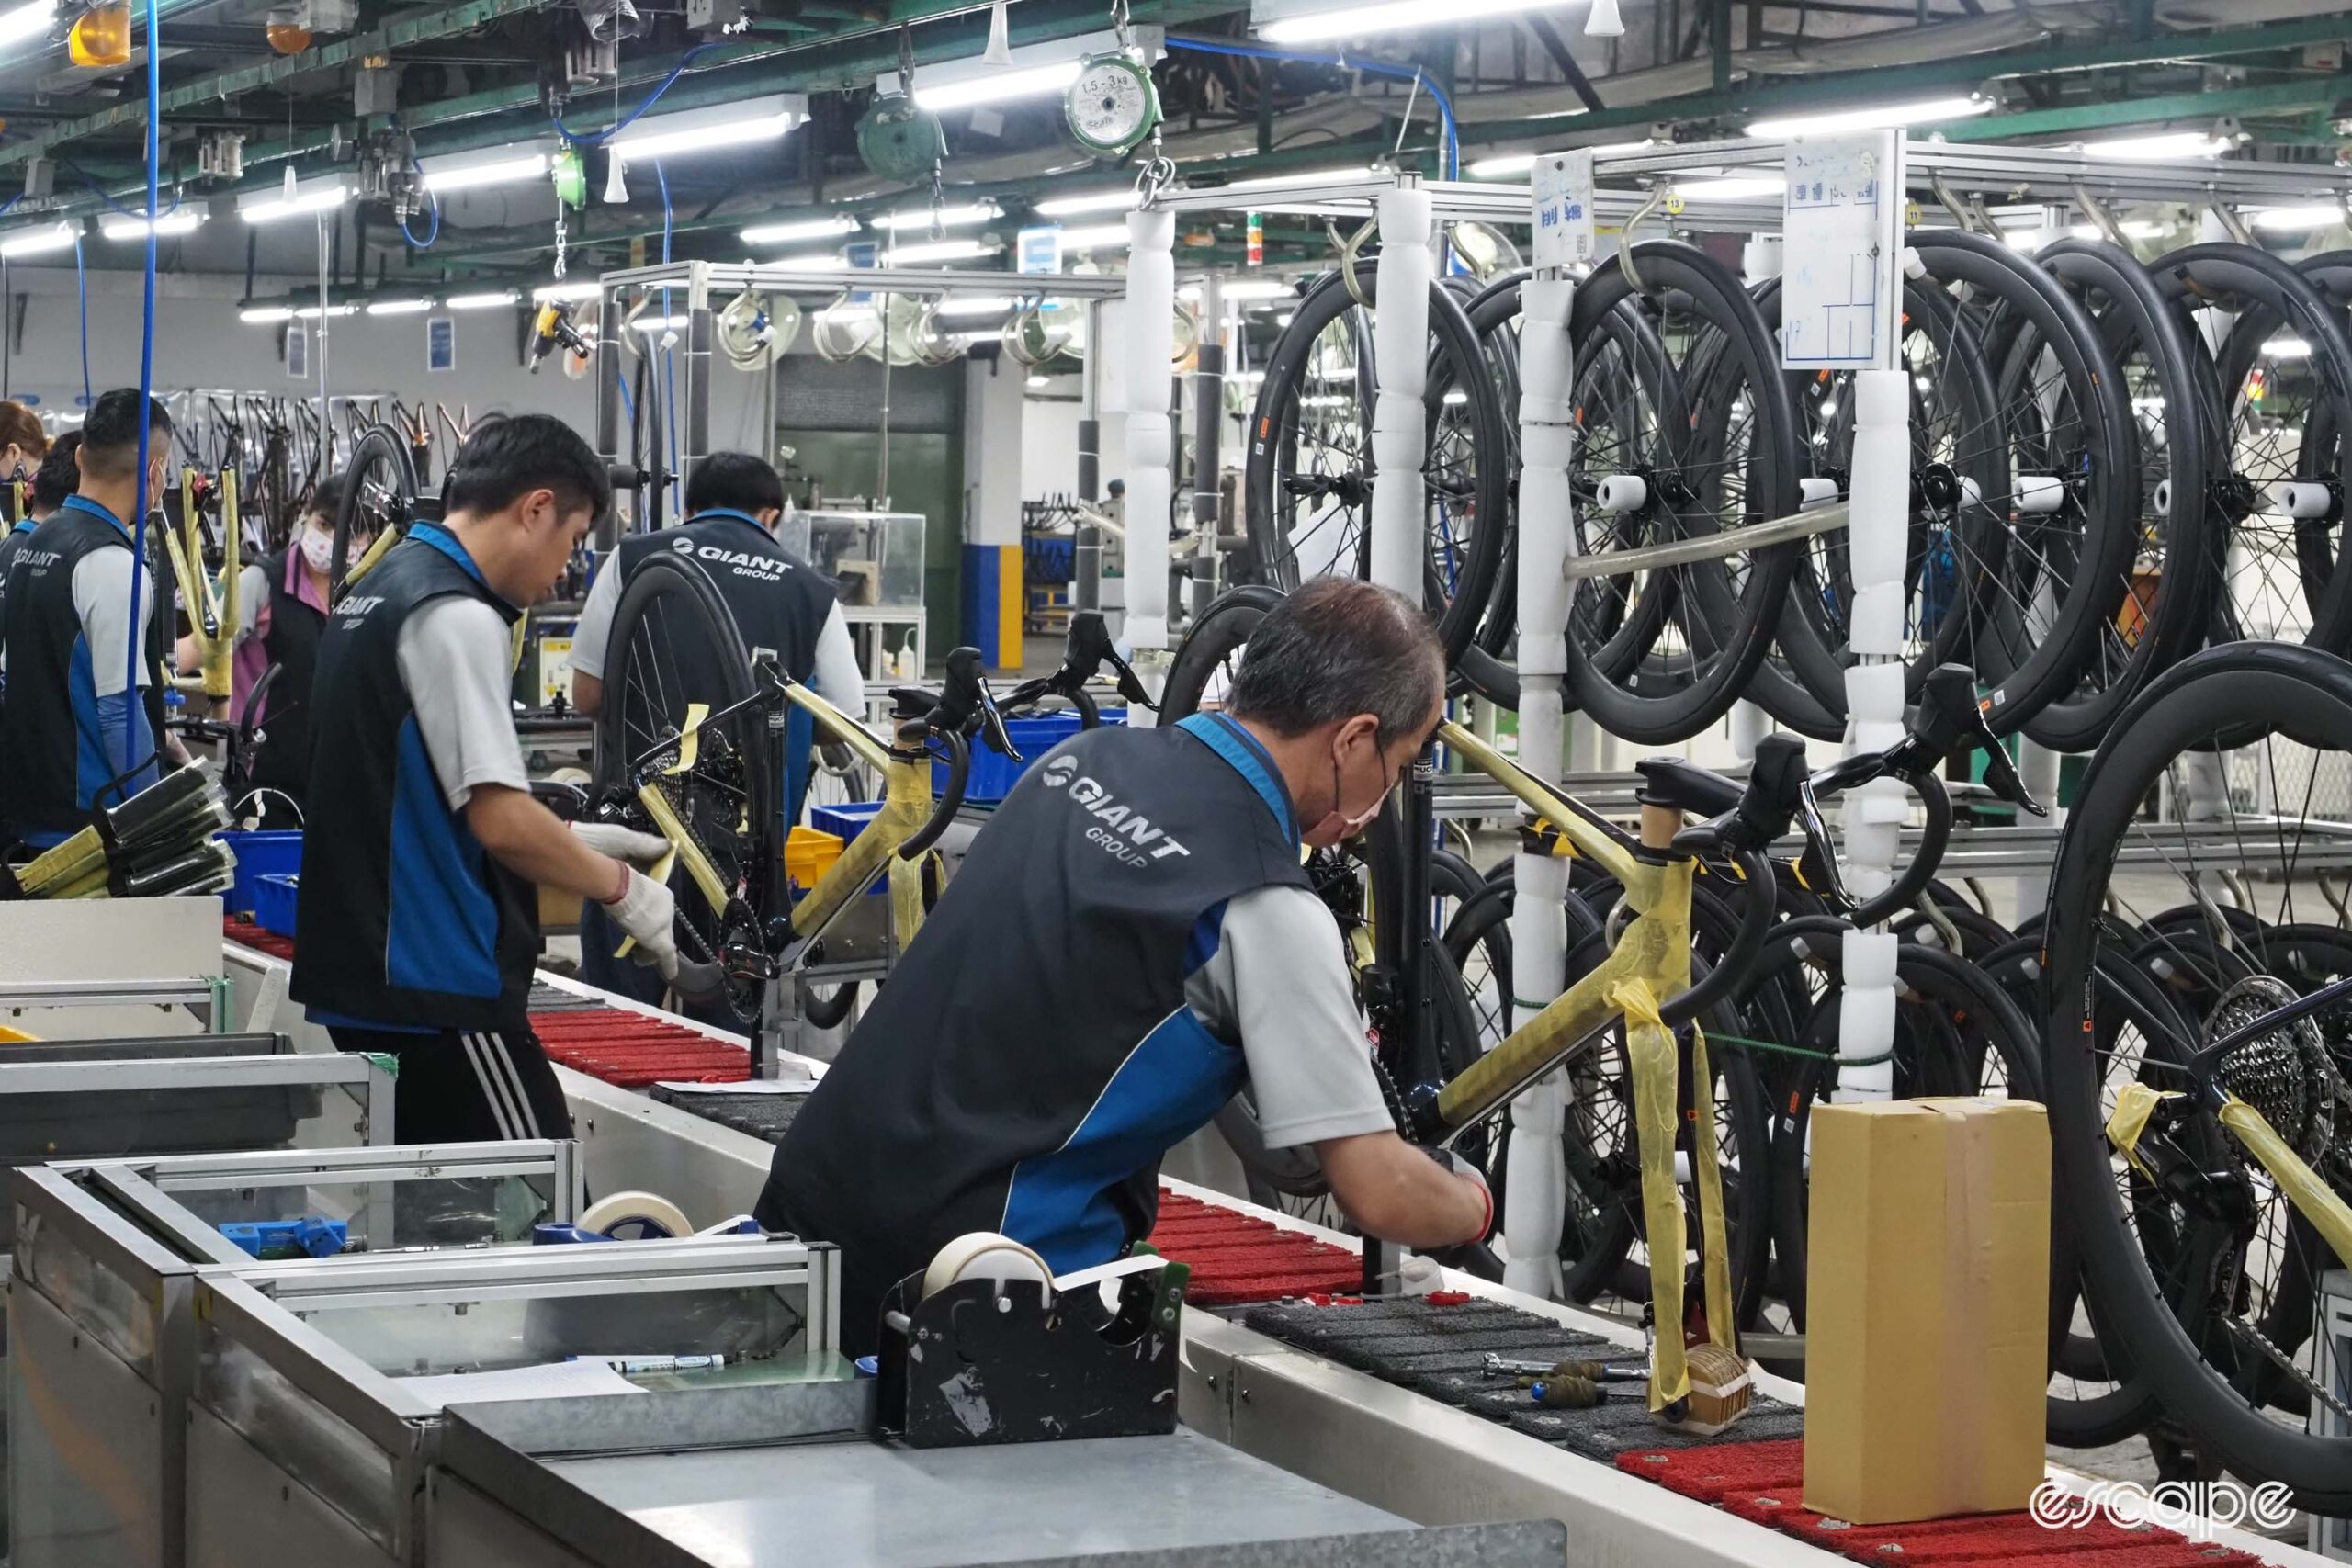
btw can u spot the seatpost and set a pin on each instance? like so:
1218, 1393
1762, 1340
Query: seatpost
1383, 1261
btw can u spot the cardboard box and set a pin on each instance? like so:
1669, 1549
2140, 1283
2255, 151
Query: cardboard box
1927, 1308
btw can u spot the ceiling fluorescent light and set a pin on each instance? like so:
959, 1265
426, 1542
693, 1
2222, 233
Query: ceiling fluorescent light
548, 293
702, 130
1883, 117
488, 301
974, 305
808, 229
312, 312
266, 315
1313, 177
2287, 348
1123, 199
23, 22
2318, 216
1394, 17
943, 251
946, 218
399, 307
471, 176
813, 262
270, 206
33, 241
1503, 166
1105, 237
998, 86
2131, 229
2170, 144
169, 225
1247, 288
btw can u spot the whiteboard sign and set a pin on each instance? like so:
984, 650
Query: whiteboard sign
1842, 292
1561, 187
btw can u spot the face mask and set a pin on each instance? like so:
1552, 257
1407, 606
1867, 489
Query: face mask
1335, 828
317, 548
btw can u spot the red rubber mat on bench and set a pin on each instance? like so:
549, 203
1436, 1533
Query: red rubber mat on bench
630, 1050
1236, 1258
1764, 1483
248, 934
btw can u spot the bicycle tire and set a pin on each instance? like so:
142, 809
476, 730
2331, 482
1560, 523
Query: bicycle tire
669, 599
383, 443
1210, 650
2305, 695
1457, 584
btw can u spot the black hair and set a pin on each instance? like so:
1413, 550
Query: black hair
110, 435
59, 474
1336, 647
326, 501
502, 460
737, 481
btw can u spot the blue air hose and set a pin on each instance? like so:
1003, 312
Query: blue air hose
146, 376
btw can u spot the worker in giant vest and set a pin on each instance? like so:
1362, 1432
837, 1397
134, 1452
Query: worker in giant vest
57, 477
282, 605
417, 928
82, 707
783, 607
1078, 1002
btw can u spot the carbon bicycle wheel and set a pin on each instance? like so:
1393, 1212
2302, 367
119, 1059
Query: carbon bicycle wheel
1310, 476
674, 657
379, 485
2222, 779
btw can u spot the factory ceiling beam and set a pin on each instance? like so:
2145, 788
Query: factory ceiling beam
212, 88
2317, 92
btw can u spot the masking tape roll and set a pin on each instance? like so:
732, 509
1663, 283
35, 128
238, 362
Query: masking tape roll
985, 1254
607, 1214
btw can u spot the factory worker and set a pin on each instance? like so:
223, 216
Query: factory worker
417, 928
782, 607
282, 605
81, 708
1130, 940
58, 477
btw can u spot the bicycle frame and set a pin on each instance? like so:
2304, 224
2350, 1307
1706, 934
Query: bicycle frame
1648, 963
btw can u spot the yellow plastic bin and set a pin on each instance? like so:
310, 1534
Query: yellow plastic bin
808, 854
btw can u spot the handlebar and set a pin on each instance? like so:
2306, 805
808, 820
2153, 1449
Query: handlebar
1084, 653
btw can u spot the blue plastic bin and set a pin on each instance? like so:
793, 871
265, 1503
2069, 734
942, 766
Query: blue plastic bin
274, 904
993, 774
846, 821
263, 852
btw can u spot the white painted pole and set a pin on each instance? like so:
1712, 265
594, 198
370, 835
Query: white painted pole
1400, 422
1149, 323
1534, 1195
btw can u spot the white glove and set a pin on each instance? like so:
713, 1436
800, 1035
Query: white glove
646, 910
1475, 1178
621, 843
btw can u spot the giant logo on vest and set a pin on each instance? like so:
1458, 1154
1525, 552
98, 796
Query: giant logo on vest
749, 565
1117, 829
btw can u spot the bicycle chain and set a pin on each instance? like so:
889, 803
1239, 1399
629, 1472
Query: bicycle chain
2262, 1342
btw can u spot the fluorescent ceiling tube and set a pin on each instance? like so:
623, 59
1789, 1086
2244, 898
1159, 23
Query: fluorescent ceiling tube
266, 315
498, 172
701, 130
807, 229
973, 304
1001, 86
1880, 118
2171, 144
943, 251
813, 262
1313, 177
1124, 199
2287, 348
270, 206
33, 241
486, 301
168, 225
946, 218
1503, 165
1247, 288
1394, 17
399, 307
2314, 217
22, 22
1104, 237
312, 312
551, 292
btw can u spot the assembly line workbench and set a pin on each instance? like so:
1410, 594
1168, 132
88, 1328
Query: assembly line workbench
1389, 1448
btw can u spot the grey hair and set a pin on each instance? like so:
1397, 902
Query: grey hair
1338, 648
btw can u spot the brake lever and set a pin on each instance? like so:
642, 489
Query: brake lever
993, 725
